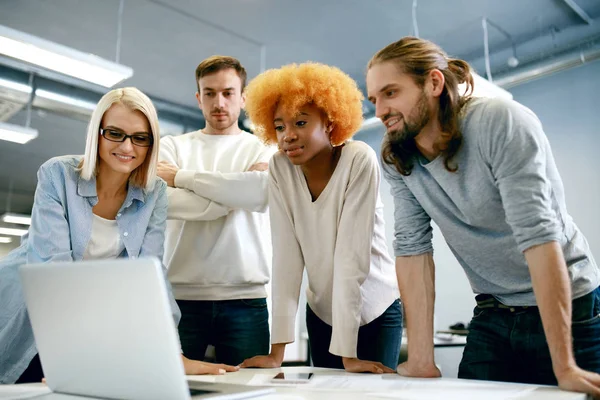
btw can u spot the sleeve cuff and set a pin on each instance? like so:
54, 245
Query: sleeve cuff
184, 179
284, 330
413, 250
344, 344
528, 244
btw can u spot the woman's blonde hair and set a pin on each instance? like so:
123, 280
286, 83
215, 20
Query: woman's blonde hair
294, 86
143, 176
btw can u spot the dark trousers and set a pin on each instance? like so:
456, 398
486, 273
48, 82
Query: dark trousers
238, 329
378, 340
33, 373
509, 344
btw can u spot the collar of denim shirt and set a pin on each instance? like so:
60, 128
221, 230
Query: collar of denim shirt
87, 188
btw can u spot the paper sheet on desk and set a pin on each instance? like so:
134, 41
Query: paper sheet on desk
265, 380
17, 392
327, 382
357, 382
350, 382
433, 390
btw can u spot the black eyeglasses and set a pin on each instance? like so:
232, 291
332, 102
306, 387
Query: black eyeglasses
139, 139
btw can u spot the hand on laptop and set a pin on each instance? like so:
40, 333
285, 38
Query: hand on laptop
194, 367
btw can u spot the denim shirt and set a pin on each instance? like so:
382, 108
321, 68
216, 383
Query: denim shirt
61, 226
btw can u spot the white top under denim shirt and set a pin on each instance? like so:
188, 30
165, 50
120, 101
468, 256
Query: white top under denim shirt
105, 240
60, 230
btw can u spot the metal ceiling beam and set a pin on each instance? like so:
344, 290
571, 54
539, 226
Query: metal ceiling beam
579, 11
548, 67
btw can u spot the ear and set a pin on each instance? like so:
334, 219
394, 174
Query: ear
329, 127
243, 102
199, 100
437, 81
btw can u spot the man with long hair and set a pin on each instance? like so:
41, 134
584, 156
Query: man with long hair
483, 171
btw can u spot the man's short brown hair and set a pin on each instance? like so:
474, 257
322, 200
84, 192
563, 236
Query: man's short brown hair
218, 63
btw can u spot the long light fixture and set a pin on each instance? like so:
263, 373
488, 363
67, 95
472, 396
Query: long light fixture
62, 59
371, 122
12, 231
20, 219
4, 239
17, 133
485, 88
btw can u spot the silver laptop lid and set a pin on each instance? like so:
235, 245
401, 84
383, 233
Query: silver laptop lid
104, 329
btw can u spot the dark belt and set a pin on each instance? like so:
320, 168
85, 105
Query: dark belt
489, 301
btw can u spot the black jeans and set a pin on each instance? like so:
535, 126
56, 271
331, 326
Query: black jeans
238, 329
505, 345
33, 373
378, 340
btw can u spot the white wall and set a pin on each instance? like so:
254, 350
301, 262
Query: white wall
568, 104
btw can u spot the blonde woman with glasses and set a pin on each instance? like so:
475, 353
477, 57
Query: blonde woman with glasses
108, 203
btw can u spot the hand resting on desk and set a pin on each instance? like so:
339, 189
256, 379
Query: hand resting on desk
195, 367
358, 365
413, 370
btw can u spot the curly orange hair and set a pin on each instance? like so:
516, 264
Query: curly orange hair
294, 86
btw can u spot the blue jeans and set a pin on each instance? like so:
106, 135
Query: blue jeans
238, 329
503, 345
379, 340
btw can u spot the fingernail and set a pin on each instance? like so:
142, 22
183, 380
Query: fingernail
221, 371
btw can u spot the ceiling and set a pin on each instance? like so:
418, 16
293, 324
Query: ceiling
164, 40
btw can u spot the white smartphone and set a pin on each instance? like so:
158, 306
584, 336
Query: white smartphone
292, 377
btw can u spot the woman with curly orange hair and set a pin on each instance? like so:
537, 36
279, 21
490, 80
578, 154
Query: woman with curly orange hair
326, 216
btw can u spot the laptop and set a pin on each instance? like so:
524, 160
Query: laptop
104, 329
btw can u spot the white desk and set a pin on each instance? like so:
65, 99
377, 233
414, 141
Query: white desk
364, 385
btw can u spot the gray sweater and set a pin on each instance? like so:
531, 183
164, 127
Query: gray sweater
506, 197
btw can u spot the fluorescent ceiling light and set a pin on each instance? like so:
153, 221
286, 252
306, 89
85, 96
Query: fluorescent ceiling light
71, 101
12, 231
15, 86
485, 88
372, 122
62, 59
20, 219
4, 239
17, 133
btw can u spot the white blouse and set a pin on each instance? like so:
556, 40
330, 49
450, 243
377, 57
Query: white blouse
339, 238
105, 241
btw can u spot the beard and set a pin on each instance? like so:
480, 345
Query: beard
419, 117
223, 124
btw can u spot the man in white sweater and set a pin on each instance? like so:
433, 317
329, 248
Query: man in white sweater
217, 247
